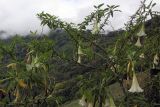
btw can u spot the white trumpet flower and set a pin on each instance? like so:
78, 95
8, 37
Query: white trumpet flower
80, 53
80, 50
82, 102
95, 27
138, 43
141, 32
135, 85
79, 59
156, 59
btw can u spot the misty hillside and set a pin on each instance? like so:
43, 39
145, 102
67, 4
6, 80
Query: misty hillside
80, 62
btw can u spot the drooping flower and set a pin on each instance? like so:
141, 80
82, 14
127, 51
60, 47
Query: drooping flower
156, 59
138, 43
95, 27
135, 85
141, 32
141, 55
80, 53
79, 59
83, 102
80, 50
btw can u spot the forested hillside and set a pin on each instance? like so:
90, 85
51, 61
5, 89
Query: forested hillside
117, 69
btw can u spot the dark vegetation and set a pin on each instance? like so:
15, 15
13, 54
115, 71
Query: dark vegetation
39, 70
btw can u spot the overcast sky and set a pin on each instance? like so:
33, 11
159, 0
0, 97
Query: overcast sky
19, 16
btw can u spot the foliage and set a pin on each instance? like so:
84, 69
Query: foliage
30, 77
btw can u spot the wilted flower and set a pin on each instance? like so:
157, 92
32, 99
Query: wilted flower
156, 59
95, 27
29, 59
135, 85
12, 65
17, 95
141, 32
129, 66
22, 83
138, 43
83, 102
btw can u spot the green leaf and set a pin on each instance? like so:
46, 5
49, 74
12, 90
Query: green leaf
100, 5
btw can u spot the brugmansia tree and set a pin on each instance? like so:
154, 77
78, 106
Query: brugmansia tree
113, 64
88, 47
128, 59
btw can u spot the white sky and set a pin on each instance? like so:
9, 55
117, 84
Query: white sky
19, 16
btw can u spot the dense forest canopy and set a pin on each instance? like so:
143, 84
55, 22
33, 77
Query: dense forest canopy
74, 66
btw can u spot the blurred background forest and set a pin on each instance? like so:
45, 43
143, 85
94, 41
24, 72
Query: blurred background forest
80, 67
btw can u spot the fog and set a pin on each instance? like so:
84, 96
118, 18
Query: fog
19, 16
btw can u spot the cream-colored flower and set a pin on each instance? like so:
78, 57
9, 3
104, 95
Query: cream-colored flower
138, 43
80, 53
79, 59
82, 102
80, 50
156, 59
95, 27
141, 55
141, 32
135, 85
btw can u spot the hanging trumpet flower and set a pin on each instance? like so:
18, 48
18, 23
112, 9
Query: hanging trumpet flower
141, 32
138, 43
95, 27
156, 59
80, 50
80, 53
135, 85
83, 102
79, 59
